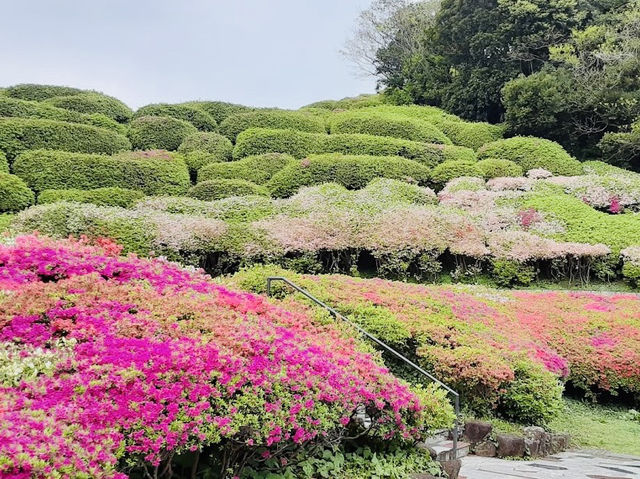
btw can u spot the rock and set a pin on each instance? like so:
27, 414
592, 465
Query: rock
452, 468
476, 431
510, 445
535, 440
485, 449
559, 443
432, 453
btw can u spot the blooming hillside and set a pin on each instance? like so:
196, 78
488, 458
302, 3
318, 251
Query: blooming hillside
122, 363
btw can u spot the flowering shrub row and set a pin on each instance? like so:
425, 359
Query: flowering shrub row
111, 363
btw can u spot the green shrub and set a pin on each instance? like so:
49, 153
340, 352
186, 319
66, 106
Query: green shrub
622, 149
530, 153
159, 132
389, 191
93, 102
220, 110
509, 273
112, 196
496, 168
257, 141
20, 134
383, 124
224, 188
469, 134
5, 222
457, 153
200, 149
29, 91
352, 172
4, 163
13, 107
190, 113
15, 195
361, 101
154, 173
257, 169
454, 169
272, 119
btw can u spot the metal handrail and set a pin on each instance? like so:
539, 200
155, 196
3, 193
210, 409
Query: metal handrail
335, 314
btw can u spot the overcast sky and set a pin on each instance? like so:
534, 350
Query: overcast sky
257, 52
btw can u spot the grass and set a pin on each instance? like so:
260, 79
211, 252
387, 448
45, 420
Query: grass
5, 219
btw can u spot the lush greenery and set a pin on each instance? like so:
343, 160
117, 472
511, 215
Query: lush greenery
110, 196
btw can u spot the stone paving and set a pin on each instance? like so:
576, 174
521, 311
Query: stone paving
571, 464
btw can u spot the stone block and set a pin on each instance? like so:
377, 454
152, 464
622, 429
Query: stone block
510, 445
485, 449
476, 431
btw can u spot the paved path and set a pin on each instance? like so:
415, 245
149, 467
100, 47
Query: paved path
571, 464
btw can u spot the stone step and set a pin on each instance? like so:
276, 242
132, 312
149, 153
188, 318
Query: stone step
444, 450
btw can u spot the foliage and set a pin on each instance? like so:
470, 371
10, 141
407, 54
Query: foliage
192, 114
235, 124
159, 132
20, 134
219, 110
509, 273
110, 196
33, 92
93, 102
496, 168
448, 170
4, 163
15, 195
201, 149
223, 188
257, 169
153, 172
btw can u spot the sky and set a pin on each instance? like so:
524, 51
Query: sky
283, 53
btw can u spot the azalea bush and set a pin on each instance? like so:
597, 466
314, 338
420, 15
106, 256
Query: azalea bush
112, 365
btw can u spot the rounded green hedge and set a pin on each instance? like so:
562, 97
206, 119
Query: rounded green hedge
389, 191
469, 134
272, 119
111, 196
200, 149
496, 168
159, 132
15, 195
93, 102
381, 124
33, 92
155, 172
257, 141
224, 188
13, 107
4, 163
352, 172
219, 110
454, 169
20, 134
530, 153
258, 169
190, 113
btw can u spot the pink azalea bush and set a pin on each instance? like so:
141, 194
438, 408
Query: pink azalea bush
146, 360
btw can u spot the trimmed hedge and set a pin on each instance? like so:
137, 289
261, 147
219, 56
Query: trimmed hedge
225, 188
200, 149
4, 163
155, 173
272, 119
352, 172
190, 113
15, 195
349, 103
13, 107
20, 134
33, 92
159, 132
530, 153
496, 168
387, 124
454, 169
112, 196
389, 191
257, 169
299, 144
93, 102
220, 110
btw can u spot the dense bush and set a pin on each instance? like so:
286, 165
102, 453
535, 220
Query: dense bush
15, 195
622, 149
13, 107
257, 141
220, 110
390, 191
224, 188
271, 119
4, 163
361, 101
200, 149
454, 169
112, 196
386, 124
352, 172
159, 132
194, 115
92, 102
20, 134
531, 153
257, 169
34, 92
151, 172
496, 168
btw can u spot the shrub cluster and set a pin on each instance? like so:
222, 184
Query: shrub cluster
190, 113
200, 149
20, 134
233, 125
159, 132
111, 196
361, 101
4, 163
154, 173
224, 188
33, 92
352, 172
531, 153
257, 169
15, 195
451, 169
496, 168
220, 110
93, 102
